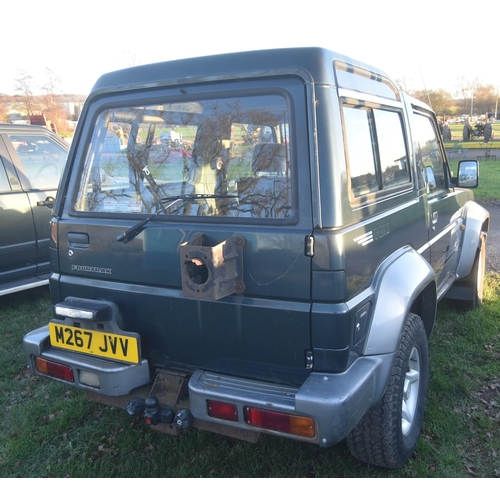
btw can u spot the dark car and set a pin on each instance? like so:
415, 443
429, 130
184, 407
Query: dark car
32, 159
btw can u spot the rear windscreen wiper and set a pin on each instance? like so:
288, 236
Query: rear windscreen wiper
133, 231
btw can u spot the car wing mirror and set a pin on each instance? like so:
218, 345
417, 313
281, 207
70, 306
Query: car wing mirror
468, 174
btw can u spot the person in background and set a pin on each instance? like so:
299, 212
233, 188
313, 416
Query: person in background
488, 131
446, 132
467, 134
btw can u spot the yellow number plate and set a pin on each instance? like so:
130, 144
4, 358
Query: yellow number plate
102, 344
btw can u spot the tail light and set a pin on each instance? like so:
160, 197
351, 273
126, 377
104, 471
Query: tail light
224, 411
54, 242
280, 422
56, 370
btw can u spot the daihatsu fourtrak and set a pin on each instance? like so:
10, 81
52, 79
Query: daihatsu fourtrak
256, 243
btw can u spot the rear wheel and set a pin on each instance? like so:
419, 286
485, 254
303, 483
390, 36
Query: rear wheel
388, 434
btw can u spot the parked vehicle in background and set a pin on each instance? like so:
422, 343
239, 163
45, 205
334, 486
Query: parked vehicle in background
257, 243
32, 159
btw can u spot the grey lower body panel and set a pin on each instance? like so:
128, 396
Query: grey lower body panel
25, 284
336, 401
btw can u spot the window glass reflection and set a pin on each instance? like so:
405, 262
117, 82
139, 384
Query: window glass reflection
221, 157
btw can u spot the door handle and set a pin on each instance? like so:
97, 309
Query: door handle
78, 240
48, 202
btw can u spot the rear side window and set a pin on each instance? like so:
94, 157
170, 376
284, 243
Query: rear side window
430, 160
226, 157
4, 182
375, 149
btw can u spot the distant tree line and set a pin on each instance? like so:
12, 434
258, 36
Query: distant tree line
31, 100
471, 97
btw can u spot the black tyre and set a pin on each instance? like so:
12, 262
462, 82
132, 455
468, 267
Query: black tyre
388, 434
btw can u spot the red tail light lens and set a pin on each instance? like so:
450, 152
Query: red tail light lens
56, 370
225, 411
281, 422
53, 234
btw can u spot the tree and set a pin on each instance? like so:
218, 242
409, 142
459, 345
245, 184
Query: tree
405, 84
50, 87
440, 101
23, 85
49, 100
131, 58
468, 89
3, 109
485, 99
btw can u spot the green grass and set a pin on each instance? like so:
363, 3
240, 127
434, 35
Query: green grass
50, 430
489, 180
477, 144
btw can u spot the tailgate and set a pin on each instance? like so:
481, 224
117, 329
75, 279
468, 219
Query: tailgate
194, 177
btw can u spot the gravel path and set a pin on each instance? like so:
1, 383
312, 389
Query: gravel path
493, 242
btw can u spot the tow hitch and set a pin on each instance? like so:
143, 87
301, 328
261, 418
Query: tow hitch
166, 403
155, 414
166, 408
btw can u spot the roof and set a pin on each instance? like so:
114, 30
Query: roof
19, 127
313, 61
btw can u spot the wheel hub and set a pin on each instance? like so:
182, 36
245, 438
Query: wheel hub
410, 391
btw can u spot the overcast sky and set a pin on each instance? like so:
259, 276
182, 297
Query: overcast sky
429, 43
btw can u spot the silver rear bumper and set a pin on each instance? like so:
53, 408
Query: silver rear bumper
115, 379
336, 401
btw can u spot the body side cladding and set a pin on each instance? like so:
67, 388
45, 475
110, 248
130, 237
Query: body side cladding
477, 223
395, 298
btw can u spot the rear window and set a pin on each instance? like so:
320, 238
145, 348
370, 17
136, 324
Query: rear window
226, 157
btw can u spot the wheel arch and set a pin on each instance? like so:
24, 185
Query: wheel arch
477, 225
396, 297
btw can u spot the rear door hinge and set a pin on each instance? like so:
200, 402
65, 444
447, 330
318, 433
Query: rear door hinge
309, 360
309, 246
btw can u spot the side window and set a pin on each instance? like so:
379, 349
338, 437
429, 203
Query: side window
376, 149
429, 158
4, 181
42, 159
360, 151
391, 145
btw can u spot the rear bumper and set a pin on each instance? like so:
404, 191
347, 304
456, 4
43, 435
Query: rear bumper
115, 379
336, 402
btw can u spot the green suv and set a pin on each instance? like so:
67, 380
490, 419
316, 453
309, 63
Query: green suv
256, 243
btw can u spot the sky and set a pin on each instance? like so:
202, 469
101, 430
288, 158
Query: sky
429, 44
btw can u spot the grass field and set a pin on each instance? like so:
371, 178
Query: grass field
489, 180
50, 430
